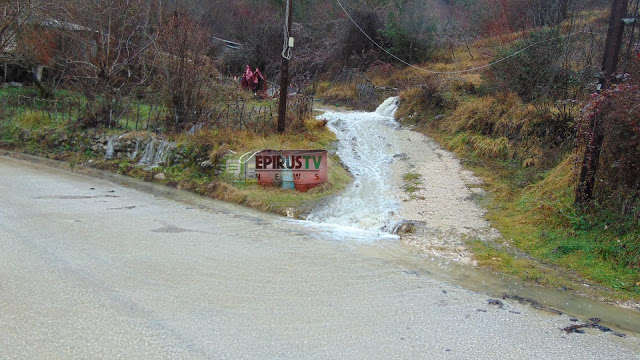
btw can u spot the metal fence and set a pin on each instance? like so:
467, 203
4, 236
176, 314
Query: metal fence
228, 114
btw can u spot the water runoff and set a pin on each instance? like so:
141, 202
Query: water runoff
367, 209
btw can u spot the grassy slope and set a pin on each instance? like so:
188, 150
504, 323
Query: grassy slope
48, 126
545, 241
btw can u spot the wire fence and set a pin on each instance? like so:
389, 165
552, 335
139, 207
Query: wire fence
256, 117
19, 105
232, 114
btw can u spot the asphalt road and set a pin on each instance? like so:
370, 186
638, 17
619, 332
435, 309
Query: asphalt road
90, 269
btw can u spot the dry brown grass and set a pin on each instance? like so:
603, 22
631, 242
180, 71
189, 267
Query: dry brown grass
339, 93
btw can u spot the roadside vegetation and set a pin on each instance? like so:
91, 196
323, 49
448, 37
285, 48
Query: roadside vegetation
522, 125
36, 127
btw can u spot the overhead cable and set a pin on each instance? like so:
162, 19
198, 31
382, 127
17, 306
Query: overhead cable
457, 71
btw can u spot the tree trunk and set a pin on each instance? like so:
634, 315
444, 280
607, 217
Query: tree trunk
588, 171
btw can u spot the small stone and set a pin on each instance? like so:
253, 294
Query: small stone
160, 177
496, 302
574, 320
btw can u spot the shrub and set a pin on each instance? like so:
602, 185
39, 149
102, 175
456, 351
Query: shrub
405, 42
418, 104
618, 171
534, 73
355, 49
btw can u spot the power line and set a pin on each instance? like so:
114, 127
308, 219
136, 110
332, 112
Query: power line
458, 71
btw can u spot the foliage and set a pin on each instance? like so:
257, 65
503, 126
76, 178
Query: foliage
186, 80
355, 49
617, 114
406, 40
104, 51
534, 73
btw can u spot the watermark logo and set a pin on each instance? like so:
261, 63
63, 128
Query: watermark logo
289, 169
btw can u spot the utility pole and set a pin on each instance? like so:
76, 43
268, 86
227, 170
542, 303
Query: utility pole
284, 69
587, 181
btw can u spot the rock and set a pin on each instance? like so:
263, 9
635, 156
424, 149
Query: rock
404, 227
495, 302
15, 84
206, 164
439, 117
160, 177
461, 249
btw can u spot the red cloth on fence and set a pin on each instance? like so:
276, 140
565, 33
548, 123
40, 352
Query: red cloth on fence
253, 80
247, 78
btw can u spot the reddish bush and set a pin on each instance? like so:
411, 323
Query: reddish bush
618, 112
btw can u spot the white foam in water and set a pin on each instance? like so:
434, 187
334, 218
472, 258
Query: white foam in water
367, 208
109, 154
343, 233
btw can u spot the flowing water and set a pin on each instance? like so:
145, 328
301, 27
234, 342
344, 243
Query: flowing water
366, 146
366, 212
155, 153
134, 154
110, 152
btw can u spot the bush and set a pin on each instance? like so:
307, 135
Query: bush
618, 171
356, 50
33, 120
534, 73
419, 104
406, 43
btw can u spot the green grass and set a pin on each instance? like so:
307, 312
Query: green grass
546, 241
412, 183
533, 209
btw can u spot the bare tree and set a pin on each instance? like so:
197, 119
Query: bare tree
187, 72
106, 51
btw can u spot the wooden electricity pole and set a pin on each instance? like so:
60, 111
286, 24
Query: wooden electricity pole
284, 72
587, 181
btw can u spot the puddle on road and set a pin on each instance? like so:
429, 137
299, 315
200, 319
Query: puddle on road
414, 263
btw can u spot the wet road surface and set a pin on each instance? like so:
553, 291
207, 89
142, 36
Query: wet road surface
92, 269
